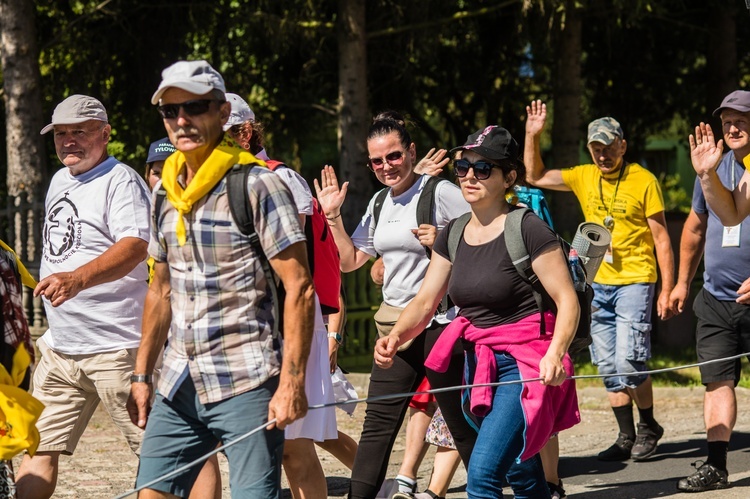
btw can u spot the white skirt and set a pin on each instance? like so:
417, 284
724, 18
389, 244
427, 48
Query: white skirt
318, 424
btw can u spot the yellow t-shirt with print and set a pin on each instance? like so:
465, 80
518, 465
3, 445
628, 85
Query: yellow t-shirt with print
638, 197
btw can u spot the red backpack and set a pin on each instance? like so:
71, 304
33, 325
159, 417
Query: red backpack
322, 254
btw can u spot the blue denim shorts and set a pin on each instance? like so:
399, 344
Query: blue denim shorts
182, 430
621, 333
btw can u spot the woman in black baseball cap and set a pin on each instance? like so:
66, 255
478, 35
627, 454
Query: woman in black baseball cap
499, 324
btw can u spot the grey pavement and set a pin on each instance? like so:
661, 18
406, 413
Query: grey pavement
103, 467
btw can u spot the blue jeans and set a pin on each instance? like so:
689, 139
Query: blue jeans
621, 332
181, 430
501, 441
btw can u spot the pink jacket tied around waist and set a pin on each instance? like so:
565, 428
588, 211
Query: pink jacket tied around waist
547, 409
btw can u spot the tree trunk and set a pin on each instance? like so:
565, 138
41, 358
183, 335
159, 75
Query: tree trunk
721, 56
353, 112
566, 134
19, 55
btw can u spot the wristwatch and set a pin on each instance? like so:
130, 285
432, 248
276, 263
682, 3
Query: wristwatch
336, 336
141, 378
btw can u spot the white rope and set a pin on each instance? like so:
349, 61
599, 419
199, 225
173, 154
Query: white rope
411, 394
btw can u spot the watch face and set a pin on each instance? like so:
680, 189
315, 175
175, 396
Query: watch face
609, 223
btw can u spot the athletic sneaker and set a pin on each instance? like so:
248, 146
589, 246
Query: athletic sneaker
556, 491
415, 495
646, 441
706, 477
389, 487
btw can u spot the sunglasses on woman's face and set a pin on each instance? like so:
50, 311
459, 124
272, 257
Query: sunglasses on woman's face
395, 158
482, 169
191, 108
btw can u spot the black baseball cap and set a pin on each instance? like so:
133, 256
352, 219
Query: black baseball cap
492, 142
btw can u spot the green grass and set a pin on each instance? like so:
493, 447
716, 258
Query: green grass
662, 358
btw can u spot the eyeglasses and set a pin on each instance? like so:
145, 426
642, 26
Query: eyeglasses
191, 108
395, 158
482, 169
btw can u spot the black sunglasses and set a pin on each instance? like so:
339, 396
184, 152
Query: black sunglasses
482, 169
191, 108
394, 158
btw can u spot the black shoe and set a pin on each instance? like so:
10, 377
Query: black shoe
619, 451
708, 477
556, 491
645, 441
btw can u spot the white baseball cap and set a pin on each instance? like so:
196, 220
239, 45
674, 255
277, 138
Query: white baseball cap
241, 111
197, 77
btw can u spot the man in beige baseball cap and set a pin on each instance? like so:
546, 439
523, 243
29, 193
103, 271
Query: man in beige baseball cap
93, 283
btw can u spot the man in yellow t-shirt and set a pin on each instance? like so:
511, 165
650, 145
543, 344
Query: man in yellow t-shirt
625, 198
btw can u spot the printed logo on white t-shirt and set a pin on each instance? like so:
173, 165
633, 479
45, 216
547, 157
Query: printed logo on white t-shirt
62, 231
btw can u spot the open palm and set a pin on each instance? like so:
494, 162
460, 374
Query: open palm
330, 195
536, 117
705, 153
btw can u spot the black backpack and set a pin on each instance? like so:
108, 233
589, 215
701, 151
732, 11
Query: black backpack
519, 255
425, 209
425, 204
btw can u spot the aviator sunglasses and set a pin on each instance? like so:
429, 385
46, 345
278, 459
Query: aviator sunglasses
191, 108
482, 169
394, 158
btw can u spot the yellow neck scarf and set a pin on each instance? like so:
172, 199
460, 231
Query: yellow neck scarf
26, 278
222, 158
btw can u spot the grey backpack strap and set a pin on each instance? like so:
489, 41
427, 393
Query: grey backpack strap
456, 233
519, 255
161, 195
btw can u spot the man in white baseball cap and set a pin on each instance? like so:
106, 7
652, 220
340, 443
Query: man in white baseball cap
222, 373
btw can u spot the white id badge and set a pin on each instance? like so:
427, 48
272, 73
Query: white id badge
609, 256
730, 237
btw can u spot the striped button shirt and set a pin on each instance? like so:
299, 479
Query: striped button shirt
222, 314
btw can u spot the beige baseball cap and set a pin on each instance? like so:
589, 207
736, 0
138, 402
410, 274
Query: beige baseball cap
76, 109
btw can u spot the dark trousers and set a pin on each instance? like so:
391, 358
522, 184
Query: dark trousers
383, 418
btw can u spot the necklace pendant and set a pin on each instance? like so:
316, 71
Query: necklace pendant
609, 223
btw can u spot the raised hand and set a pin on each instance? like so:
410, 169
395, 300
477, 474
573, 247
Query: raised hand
330, 195
536, 117
705, 152
433, 162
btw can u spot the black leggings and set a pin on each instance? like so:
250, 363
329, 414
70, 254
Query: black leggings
383, 418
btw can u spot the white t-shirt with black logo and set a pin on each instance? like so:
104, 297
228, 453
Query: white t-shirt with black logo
84, 216
404, 259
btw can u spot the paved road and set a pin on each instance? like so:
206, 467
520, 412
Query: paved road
103, 467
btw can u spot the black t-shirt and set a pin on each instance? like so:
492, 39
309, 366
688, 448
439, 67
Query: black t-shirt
484, 283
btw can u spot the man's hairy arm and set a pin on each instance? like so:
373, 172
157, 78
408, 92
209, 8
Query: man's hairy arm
157, 316
692, 243
657, 223
289, 403
116, 262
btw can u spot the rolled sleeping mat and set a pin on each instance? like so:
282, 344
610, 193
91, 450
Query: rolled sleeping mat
591, 242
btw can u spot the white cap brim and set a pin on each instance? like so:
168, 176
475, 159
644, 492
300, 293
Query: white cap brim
188, 86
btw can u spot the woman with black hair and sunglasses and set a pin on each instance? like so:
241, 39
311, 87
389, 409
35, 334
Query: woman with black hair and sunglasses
402, 244
499, 324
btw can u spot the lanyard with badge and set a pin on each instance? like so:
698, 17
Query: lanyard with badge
609, 220
730, 237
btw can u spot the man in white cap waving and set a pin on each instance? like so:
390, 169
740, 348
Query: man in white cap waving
93, 283
223, 375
